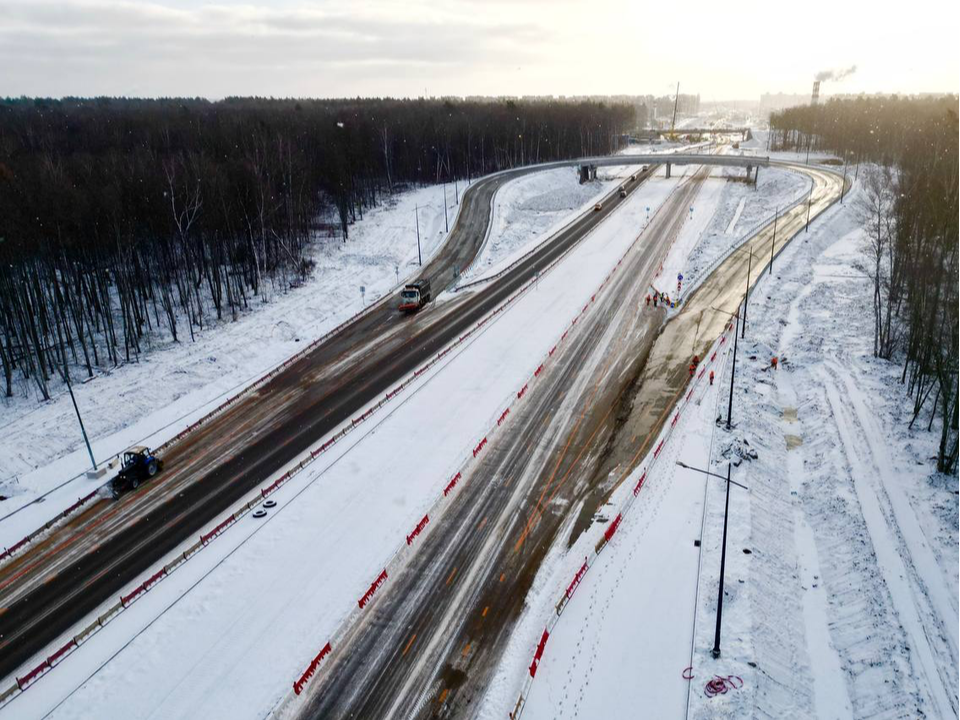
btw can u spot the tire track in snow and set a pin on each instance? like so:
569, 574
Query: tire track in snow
935, 667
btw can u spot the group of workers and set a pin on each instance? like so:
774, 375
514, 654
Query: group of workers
658, 297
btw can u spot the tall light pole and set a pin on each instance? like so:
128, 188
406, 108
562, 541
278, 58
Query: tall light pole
746, 294
733, 370
773, 243
83, 430
723, 547
419, 256
723, 564
809, 201
446, 225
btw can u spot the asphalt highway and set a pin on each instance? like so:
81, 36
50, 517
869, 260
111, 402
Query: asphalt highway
430, 643
429, 646
87, 561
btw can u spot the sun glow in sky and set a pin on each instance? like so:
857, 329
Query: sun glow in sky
470, 47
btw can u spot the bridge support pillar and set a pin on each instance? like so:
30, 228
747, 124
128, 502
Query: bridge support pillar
748, 173
668, 169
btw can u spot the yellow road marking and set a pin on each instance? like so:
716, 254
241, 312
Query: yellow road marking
409, 644
484, 613
450, 579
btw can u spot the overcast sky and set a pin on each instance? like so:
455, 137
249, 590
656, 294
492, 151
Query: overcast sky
470, 47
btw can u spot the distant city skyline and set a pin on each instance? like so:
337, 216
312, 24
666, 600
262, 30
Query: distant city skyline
467, 47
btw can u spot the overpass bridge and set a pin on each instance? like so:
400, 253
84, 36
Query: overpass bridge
743, 132
752, 163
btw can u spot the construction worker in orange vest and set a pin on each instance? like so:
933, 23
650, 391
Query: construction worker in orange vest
773, 362
648, 299
711, 377
693, 369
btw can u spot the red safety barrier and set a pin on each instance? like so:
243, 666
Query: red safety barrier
702, 371
503, 417
552, 351
479, 447
659, 448
538, 654
451, 485
381, 579
690, 394
676, 417
22, 682
127, 599
522, 391
536, 373
52, 660
204, 539
613, 527
153, 578
640, 483
572, 587
713, 357
723, 339
418, 529
311, 669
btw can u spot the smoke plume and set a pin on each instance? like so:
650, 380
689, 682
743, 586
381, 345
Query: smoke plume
836, 75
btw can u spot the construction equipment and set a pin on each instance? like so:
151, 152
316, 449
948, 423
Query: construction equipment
139, 464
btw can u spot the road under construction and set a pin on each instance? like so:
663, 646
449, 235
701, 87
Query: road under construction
425, 646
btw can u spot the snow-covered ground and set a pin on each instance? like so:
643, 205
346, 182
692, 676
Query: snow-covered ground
228, 632
530, 209
841, 594
174, 384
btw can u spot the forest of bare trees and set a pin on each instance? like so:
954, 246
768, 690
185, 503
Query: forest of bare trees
124, 219
909, 212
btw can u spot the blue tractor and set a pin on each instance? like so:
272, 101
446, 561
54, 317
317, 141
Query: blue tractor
139, 464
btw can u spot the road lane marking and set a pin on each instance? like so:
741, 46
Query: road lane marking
409, 644
450, 579
484, 613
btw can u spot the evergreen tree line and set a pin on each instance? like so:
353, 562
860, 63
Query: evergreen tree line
122, 220
909, 213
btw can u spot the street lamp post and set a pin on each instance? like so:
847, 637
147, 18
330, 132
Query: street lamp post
746, 295
83, 430
723, 564
419, 256
809, 201
723, 548
733, 371
773, 243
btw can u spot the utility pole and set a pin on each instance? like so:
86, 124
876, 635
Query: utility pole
809, 201
446, 225
419, 256
746, 295
733, 370
773, 243
676, 101
843, 187
83, 431
456, 190
723, 564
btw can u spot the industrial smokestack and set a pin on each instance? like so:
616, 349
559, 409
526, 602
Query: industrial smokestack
815, 95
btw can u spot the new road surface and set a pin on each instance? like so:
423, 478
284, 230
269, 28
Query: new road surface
57, 581
429, 645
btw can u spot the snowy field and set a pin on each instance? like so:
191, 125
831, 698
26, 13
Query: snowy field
842, 560
227, 634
